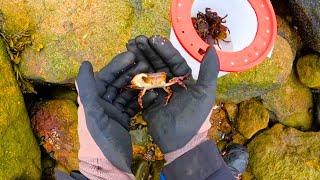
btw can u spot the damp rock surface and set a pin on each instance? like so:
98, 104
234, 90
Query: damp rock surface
19, 151
308, 68
253, 117
291, 103
284, 153
55, 123
271, 74
306, 13
65, 33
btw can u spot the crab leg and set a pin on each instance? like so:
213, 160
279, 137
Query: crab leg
169, 91
178, 80
140, 96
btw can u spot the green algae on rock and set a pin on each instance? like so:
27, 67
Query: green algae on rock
65, 33
287, 32
253, 117
55, 124
308, 68
285, 153
291, 104
19, 151
271, 74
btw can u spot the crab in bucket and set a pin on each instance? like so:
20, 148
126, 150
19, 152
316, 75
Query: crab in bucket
150, 81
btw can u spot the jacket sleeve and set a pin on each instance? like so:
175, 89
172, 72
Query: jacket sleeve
59, 175
203, 162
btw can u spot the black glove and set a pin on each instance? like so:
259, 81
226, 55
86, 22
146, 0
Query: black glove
173, 125
105, 108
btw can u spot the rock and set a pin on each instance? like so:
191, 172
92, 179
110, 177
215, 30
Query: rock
307, 15
232, 110
291, 35
269, 75
308, 68
55, 124
291, 104
65, 33
19, 151
237, 138
253, 117
285, 153
220, 126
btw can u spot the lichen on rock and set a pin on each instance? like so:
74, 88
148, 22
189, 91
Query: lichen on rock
308, 68
253, 117
19, 151
285, 153
55, 123
271, 74
291, 104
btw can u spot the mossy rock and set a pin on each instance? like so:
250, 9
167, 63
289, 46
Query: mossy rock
306, 13
65, 33
285, 153
253, 117
308, 68
291, 35
291, 104
19, 151
271, 74
55, 123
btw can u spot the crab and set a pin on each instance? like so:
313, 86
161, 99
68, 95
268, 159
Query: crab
150, 81
209, 25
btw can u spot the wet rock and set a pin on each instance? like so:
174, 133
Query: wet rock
220, 126
285, 153
55, 124
308, 68
231, 109
269, 75
307, 15
291, 104
253, 117
65, 33
289, 33
19, 151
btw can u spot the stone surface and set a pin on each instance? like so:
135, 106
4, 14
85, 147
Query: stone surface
232, 110
67, 32
19, 151
55, 122
307, 15
291, 35
269, 75
285, 153
291, 104
253, 117
308, 68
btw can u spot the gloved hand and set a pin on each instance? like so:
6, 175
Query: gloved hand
104, 115
172, 126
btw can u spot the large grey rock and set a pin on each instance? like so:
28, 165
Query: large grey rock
267, 76
19, 151
307, 15
67, 32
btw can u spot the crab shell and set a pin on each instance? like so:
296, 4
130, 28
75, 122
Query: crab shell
149, 80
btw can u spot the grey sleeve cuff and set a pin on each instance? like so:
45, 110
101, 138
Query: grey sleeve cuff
201, 163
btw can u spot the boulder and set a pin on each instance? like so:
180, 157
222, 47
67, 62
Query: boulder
285, 153
253, 117
308, 68
269, 75
55, 123
306, 13
19, 151
65, 33
291, 104
289, 33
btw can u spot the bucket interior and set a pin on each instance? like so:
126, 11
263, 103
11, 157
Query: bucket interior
241, 21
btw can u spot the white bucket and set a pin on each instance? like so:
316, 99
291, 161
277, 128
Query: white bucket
241, 21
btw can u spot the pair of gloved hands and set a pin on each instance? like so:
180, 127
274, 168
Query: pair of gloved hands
106, 107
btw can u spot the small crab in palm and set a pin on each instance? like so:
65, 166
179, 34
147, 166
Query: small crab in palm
149, 81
